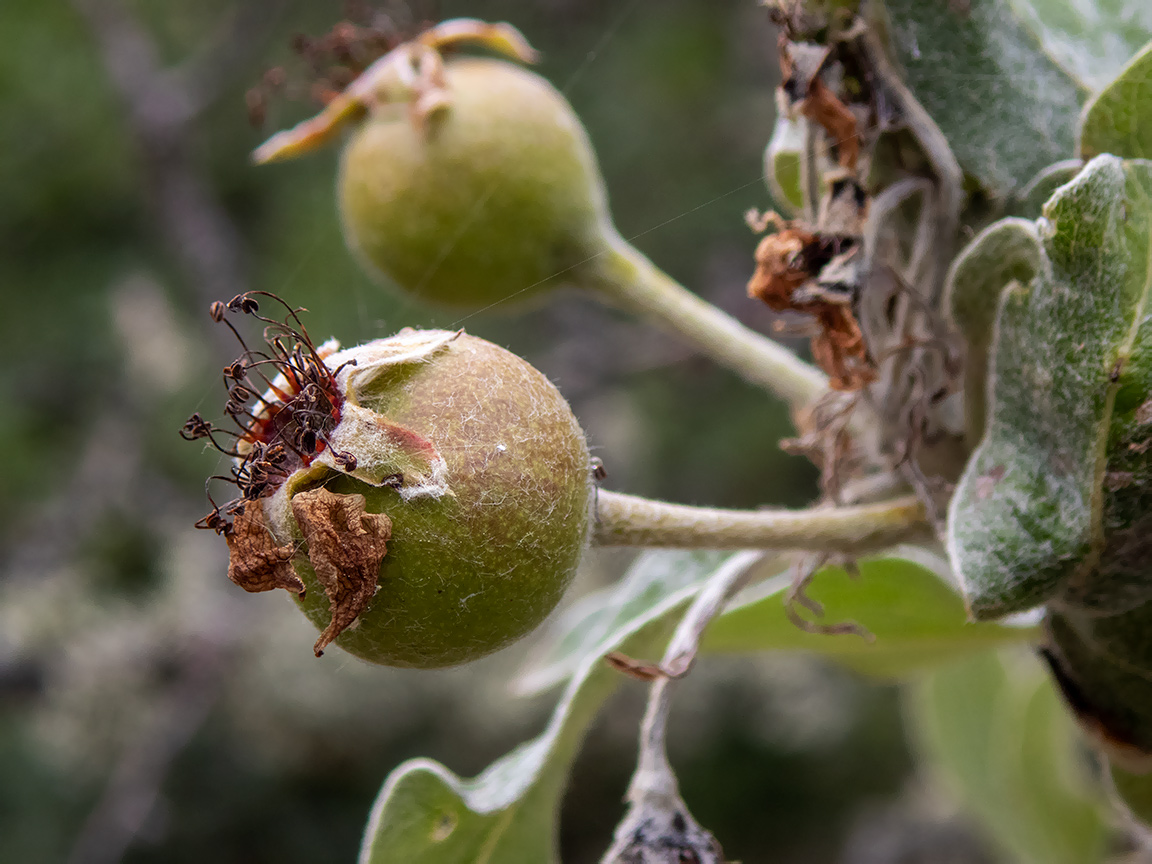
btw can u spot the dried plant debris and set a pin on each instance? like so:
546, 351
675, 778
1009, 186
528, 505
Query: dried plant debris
804, 571
279, 433
806, 93
410, 73
641, 670
333, 60
809, 272
826, 439
866, 262
256, 561
345, 546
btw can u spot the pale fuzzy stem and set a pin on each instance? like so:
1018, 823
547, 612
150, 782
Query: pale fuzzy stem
627, 520
654, 777
632, 282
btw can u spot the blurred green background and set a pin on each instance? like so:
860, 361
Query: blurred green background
149, 710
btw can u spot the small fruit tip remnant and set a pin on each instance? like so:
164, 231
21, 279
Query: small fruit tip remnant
412, 73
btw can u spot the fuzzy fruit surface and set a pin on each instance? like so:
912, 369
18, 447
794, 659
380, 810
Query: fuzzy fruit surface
498, 195
469, 571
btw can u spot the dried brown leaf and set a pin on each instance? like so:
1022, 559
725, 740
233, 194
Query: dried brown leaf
638, 669
792, 259
345, 545
823, 107
256, 562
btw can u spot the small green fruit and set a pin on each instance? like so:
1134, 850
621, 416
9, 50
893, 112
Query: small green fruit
484, 544
464, 183
498, 193
427, 497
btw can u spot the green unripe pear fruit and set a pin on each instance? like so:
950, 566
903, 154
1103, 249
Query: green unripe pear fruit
484, 543
471, 182
490, 198
426, 497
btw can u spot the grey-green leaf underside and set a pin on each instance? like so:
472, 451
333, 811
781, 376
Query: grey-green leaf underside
1045, 508
1119, 119
1006, 107
1093, 40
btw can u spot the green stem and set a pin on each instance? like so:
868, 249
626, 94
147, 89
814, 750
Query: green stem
628, 520
634, 283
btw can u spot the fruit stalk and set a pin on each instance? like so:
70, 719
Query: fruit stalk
628, 520
628, 280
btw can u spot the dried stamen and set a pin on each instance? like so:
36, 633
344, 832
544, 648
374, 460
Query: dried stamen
282, 430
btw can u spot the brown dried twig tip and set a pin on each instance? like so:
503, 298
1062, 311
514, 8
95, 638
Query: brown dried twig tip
633, 668
333, 61
804, 571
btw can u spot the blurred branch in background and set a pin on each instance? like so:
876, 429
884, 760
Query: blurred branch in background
132, 794
162, 106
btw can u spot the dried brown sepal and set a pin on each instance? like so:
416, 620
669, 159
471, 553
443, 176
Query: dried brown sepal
840, 351
256, 562
822, 107
781, 267
345, 545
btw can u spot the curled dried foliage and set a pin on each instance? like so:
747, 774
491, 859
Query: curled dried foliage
333, 59
816, 101
804, 570
869, 258
256, 562
792, 270
345, 545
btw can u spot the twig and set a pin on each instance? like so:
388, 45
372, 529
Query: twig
658, 827
628, 520
627, 279
162, 105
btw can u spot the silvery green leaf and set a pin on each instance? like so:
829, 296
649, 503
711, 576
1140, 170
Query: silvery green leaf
1005, 252
426, 814
993, 730
1091, 39
1029, 201
1006, 108
1052, 503
1119, 119
904, 600
783, 164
